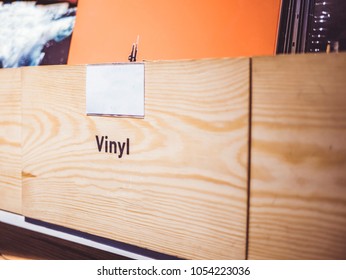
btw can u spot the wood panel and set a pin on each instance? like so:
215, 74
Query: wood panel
22, 244
182, 189
10, 140
298, 166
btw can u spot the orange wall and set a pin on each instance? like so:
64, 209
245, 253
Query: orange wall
173, 29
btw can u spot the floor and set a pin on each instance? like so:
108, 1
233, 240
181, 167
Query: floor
22, 244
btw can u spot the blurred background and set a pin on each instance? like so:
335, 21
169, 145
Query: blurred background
104, 31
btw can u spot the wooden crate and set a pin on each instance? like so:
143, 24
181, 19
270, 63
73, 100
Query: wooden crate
182, 190
298, 158
10, 140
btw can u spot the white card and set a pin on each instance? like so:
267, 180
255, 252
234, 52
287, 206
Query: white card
115, 89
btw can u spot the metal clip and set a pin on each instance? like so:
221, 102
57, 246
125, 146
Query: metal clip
133, 54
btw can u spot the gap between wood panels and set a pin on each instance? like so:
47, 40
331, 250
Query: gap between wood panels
249, 163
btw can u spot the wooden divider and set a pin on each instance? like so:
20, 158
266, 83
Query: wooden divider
181, 190
10, 140
298, 158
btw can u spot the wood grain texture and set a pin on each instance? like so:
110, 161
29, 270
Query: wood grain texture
10, 140
22, 244
183, 188
298, 165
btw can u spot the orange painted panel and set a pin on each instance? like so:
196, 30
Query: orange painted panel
173, 29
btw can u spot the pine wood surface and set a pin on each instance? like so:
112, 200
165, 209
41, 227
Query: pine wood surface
10, 140
298, 158
22, 244
183, 188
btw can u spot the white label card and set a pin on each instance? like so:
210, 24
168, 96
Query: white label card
115, 89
